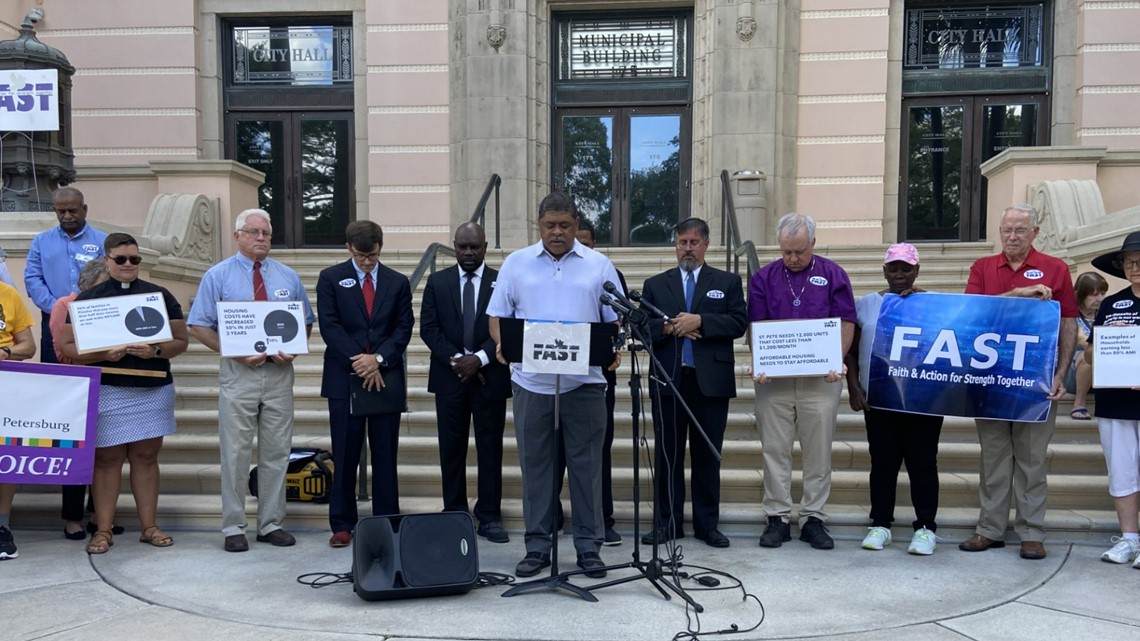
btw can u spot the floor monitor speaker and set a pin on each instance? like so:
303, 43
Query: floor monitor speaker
414, 555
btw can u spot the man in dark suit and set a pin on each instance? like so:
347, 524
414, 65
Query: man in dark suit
365, 315
468, 382
707, 313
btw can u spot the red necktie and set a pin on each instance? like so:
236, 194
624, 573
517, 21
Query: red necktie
258, 283
369, 294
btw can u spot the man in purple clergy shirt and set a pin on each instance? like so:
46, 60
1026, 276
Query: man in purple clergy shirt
798, 286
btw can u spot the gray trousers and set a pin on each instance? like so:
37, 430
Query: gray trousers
582, 431
1013, 467
254, 401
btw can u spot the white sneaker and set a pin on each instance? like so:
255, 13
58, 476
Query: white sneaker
877, 538
923, 542
1125, 551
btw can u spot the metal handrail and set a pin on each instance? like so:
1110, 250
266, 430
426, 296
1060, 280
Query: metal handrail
730, 233
480, 213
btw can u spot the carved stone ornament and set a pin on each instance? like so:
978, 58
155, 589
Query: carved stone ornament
496, 35
745, 27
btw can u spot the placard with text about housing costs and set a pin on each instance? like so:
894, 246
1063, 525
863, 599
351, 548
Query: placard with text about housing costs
810, 347
249, 328
105, 323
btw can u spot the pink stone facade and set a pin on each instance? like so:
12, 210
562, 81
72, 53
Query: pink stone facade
148, 89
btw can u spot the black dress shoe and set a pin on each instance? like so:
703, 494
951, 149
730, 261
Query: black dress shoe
592, 564
532, 563
77, 535
493, 532
660, 536
237, 543
277, 538
714, 538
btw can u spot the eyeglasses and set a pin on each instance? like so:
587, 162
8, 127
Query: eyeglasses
122, 260
257, 233
369, 257
1129, 264
1020, 232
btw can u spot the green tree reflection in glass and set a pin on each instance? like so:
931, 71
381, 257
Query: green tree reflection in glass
934, 172
587, 161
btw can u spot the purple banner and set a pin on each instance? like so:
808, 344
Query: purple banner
47, 423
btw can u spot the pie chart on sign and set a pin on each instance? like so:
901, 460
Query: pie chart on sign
144, 322
281, 324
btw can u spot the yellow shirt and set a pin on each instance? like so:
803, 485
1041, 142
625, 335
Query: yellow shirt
14, 315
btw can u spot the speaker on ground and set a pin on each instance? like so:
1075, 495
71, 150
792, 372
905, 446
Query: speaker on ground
414, 555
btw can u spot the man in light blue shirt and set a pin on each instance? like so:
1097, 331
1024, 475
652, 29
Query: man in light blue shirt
557, 279
52, 271
255, 396
55, 258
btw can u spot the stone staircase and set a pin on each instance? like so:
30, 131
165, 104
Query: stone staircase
1079, 505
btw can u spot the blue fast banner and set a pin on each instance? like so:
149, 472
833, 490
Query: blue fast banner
965, 355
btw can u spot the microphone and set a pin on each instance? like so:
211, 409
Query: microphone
616, 293
635, 295
613, 302
624, 308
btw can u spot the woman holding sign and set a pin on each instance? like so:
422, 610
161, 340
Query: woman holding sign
136, 399
894, 436
1118, 409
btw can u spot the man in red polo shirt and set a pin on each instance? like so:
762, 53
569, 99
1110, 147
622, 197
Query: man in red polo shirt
1014, 452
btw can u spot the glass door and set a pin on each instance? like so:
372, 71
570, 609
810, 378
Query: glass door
307, 161
945, 141
627, 168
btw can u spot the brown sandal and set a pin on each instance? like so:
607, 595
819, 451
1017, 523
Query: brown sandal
100, 542
157, 538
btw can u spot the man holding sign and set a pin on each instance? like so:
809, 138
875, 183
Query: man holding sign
1014, 452
557, 279
798, 286
256, 392
16, 344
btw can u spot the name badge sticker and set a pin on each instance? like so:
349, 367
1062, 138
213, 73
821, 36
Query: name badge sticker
818, 281
1122, 304
91, 249
83, 258
281, 293
715, 293
348, 282
1035, 274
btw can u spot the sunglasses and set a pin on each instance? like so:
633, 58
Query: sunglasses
122, 260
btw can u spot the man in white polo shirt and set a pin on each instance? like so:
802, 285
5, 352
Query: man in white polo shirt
558, 279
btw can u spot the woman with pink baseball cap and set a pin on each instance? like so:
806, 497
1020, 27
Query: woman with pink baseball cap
893, 436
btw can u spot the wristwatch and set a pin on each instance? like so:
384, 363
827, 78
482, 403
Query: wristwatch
157, 351
379, 360
7, 351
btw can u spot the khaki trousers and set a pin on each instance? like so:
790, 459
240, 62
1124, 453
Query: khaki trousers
1013, 465
785, 407
254, 401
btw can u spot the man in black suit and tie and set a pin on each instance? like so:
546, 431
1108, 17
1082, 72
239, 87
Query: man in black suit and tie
706, 314
365, 314
468, 382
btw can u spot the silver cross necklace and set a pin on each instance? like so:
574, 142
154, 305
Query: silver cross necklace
787, 277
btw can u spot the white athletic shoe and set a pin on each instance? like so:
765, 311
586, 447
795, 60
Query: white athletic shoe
1125, 551
923, 542
877, 538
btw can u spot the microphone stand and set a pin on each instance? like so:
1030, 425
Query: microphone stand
655, 570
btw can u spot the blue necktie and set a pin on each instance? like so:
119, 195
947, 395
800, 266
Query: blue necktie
687, 346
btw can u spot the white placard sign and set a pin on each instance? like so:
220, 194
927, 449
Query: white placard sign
29, 100
250, 328
103, 323
551, 347
797, 347
1116, 356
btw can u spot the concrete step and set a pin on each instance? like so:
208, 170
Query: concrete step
953, 457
